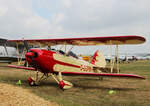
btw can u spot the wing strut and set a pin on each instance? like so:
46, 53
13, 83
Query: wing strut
114, 61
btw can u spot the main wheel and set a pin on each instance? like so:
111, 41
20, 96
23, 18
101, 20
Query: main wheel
65, 84
31, 82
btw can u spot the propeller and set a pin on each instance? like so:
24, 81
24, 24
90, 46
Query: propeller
27, 48
26, 45
31, 55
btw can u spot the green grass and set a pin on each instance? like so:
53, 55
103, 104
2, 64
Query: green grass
89, 91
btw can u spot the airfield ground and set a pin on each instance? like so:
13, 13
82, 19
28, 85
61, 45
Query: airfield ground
11, 95
87, 91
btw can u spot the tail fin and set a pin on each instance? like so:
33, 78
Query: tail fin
98, 59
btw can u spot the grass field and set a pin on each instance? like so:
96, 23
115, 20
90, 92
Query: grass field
89, 91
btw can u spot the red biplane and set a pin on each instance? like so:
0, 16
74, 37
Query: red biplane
57, 63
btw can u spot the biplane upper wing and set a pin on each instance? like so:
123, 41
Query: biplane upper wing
86, 41
103, 74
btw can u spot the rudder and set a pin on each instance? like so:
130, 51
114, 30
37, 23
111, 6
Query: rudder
98, 59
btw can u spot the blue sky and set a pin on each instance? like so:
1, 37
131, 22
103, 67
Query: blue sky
76, 18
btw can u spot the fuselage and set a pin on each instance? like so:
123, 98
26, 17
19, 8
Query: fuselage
48, 61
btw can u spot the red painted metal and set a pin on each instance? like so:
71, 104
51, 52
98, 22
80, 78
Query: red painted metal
29, 54
94, 57
61, 84
44, 61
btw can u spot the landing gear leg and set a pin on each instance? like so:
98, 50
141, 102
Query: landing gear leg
37, 80
62, 83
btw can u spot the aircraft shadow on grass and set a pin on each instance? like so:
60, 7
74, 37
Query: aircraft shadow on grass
104, 88
76, 85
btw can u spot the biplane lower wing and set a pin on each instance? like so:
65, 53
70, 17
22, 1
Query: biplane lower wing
84, 74
103, 74
22, 67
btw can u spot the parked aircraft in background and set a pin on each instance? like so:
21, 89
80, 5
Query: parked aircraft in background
8, 51
10, 57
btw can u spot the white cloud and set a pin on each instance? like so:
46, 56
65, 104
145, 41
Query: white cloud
96, 15
58, 18
3, 10
20, 20
67, 3
49, 18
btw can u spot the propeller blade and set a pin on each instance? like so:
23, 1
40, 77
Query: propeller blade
26, 45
